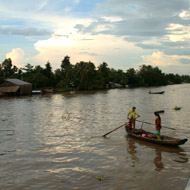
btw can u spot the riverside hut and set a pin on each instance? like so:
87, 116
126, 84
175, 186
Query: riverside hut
15, 87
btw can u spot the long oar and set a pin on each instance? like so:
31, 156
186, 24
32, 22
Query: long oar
114, 130
154, 124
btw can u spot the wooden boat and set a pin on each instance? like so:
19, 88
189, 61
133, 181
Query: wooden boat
48, 90
160, 111
177, 108
151, 137
162, 92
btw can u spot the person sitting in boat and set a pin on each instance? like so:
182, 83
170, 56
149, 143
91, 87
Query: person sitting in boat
132, 115
157, 125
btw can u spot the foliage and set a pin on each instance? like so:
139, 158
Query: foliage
85, 76
174, 79
104, 72
133, 79
152, 76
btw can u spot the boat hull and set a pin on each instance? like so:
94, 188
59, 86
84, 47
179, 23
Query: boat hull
156, 92
150, 137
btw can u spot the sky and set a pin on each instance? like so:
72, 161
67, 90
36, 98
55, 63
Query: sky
123, 33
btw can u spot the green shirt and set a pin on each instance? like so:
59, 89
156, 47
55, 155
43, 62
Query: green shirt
132, 114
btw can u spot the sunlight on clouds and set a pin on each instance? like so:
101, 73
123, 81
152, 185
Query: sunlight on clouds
84, 48
55, 40
57, 47
178, 32
185, 15
158, 59
55, 55
175, 27
113, 19
101, 28
163, 60
17, 56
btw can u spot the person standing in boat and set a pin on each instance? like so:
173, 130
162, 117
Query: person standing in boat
132, 115
157, 125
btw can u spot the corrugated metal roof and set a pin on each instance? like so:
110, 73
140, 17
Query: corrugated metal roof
8, 89
17, 81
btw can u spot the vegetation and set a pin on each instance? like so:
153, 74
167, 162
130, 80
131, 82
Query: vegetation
85, 76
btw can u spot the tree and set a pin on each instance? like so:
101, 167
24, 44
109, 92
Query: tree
65, 63
7, 69
67, 73
133, 79
49, 75
173, 79
1, 74
105, 72
28, 68
152, 76
121, 77
48, 69
84, 75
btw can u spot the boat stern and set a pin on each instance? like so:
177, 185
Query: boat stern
183, 141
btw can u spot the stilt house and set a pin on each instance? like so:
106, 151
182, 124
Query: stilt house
15, 87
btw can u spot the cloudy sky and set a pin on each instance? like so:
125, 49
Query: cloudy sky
123, 33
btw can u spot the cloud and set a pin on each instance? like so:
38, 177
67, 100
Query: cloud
178, 32
149, 46
18, 31
133, 27
169, 48
122, 33
185, 15
159, 59
148, 25
88, 53
17, 56
83, 49
185, 61
167, 62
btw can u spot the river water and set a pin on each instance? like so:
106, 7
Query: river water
54, 142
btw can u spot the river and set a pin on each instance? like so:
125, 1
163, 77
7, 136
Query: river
54, 141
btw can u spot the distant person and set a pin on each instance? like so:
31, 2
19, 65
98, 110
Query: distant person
132, 115
157, 125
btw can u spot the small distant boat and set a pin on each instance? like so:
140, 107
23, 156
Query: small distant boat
177, 108
160, 111
48, 90
162, 92
151, 137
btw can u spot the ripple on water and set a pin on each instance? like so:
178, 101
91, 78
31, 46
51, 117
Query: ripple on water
55, 142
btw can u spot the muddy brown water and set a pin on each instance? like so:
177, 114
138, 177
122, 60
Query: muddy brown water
54, 142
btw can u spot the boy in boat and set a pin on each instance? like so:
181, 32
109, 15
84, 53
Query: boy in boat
157, 125
132, 115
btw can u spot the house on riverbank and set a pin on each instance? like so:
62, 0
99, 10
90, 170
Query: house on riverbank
112, 85
15, 87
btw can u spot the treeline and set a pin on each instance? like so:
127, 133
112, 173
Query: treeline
85, 76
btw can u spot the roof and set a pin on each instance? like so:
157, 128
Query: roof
8, 89
17, 81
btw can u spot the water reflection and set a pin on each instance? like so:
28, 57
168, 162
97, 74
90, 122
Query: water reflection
45, 141
131, 149
135, 147
158, 160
